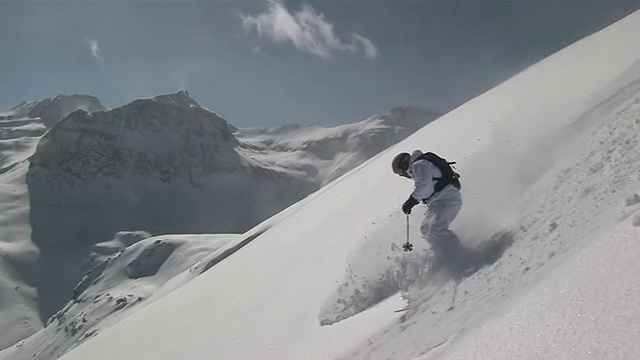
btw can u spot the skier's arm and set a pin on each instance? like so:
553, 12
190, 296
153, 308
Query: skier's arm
423, 174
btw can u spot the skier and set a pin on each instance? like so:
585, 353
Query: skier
437, 186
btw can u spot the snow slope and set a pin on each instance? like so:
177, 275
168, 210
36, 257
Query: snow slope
587, 310
550, 158
127, 271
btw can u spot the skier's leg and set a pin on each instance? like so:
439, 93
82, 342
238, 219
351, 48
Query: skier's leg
442, 212
426, 223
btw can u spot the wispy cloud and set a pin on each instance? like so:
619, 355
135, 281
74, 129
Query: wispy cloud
95, 49
370, 50
307, 30
258, 51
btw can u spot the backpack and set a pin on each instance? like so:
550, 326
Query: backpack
449, 176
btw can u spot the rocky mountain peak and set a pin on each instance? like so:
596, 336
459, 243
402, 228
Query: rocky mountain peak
181, 98
52, 110
168, 135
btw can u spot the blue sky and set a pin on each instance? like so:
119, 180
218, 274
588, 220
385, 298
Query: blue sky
268, 63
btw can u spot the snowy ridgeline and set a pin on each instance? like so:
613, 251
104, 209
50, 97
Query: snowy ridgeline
71, 179
549, 163
49, 111
124, 274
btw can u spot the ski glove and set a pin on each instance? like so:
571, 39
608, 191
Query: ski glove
409, 204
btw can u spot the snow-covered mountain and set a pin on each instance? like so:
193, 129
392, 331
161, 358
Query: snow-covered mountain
549, 159
324, 154
132, 270
162, 165
51, 110
20, 130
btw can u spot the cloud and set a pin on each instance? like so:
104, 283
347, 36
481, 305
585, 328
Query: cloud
258, 51
305, 29
370, 50
95, 49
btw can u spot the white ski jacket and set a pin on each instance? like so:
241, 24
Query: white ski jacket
422, 172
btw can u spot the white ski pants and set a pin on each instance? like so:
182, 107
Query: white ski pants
442, 210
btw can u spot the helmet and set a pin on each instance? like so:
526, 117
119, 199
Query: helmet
400, 164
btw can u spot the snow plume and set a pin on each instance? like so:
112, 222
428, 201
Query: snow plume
95, 49
180, 80
307, 30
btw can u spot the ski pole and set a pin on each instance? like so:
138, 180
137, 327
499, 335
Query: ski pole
407, 245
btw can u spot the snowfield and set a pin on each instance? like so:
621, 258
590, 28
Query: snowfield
548, 159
